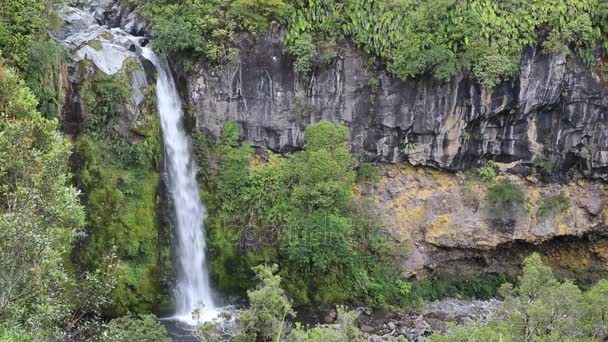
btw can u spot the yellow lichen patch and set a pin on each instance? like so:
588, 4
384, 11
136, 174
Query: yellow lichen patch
411, 217
571, 258
601, 250
439, 227
605, 216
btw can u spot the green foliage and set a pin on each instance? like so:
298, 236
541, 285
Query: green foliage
122, 212
541, 308
367, 172
254, 15
120, 180
344, 330
322, 173
21, 24
482, 286
40, 217
318, 242
543, 164
303, 49
553, 204
295, 211
487, 172
268, 307
201, 28
504, 194
596, 300
45, 77
439, 37
105, 96
266, 318
133, 328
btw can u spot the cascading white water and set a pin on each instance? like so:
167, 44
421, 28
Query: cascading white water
193, 290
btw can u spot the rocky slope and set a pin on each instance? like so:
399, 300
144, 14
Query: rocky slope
555, 107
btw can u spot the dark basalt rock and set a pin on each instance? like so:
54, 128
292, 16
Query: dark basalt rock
556, 106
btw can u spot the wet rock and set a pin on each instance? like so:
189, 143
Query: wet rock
555, 107
89, 36
432, 318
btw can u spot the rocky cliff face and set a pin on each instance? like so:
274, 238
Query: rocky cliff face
555, 107
97, 34
451, 230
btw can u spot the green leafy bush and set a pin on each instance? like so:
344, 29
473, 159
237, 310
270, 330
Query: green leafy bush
105, 97
367, 171
268, 306
482, 286
45, 77
254, 15
504, 194
21, 24
122, 211
487, 172
303, 49
200, 28
295, 211
344, 330
136, 328
440, 37
553, 204
543, 164
541, 308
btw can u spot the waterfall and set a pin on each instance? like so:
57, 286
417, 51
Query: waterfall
192, 287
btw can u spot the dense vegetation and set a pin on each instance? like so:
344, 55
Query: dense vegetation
538, 308
83, 238
121, 183
542, 308
69, 258
42, 294
413, 37
296, 211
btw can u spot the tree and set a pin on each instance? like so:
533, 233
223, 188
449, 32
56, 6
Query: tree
322, 174
541, 306
40, 214
268, 307
540, 309
344, 330
145, 328
597, 303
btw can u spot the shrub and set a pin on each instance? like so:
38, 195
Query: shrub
45, 78
21, 24
268, 307
439, 37
504, 194
136, 328
543, 164
553, 204
367, 171
344, 330
198, 28
303, 49
488, 171
255, 15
